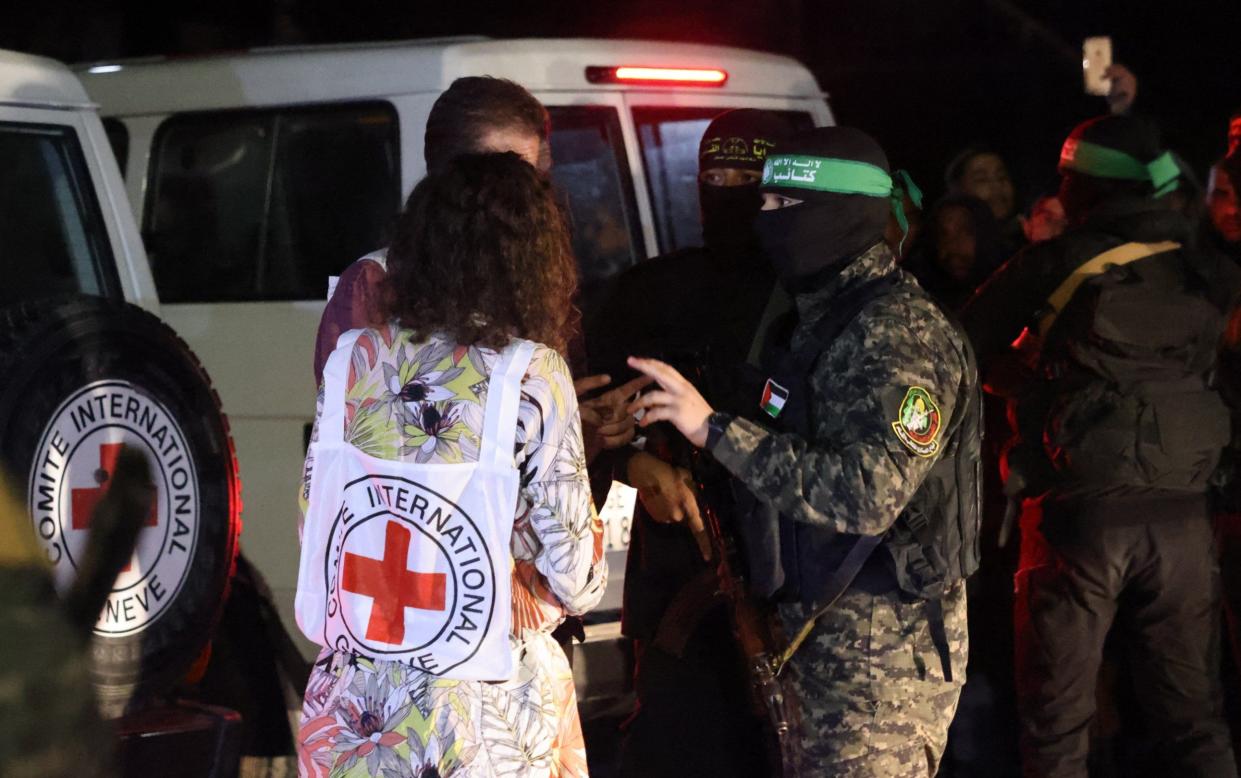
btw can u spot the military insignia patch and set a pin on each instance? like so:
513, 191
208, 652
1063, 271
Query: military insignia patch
919, 422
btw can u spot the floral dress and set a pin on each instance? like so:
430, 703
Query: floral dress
361, 716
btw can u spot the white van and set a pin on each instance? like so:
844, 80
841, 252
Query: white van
260, 174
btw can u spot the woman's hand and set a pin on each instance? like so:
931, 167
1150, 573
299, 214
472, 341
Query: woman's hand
677, 401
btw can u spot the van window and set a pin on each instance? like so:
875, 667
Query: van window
669, 138
53, 239
590, 171
265, 205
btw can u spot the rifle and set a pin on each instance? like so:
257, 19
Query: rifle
755, 636
721, 584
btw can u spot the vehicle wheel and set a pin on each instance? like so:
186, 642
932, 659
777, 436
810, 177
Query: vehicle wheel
78, 377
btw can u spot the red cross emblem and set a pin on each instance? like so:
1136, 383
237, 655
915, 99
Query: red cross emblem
86, 500
392, 586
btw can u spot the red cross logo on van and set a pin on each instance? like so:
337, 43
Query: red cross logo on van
392, 586
86, 500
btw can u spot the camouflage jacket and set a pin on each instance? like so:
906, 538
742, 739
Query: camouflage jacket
882, 394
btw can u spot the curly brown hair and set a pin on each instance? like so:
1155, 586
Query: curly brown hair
481, 253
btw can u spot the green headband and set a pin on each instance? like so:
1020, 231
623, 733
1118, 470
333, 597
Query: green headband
842, 176
1103, 162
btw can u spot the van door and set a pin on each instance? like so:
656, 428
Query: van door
247, 214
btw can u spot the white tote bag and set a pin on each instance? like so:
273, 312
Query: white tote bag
408, 562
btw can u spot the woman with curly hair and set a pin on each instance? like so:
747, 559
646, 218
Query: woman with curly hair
478, 295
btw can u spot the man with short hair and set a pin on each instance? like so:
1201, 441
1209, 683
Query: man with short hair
1119, 433
475, 114
1222, 228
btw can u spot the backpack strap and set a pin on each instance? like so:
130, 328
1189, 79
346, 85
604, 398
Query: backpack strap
778, 305
848, 308
939, 634
1119, 256
842, 577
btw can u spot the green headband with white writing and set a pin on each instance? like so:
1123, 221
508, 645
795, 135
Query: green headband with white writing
842, 176
1103, 162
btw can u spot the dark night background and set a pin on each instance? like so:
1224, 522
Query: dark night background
927, 77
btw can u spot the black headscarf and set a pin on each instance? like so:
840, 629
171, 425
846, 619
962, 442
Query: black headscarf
735, 139
810, 243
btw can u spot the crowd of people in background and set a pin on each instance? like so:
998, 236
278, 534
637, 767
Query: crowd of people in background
978, 254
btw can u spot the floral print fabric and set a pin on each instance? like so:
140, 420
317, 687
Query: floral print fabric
362, 716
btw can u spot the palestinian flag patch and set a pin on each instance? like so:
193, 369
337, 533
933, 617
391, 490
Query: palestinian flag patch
774, 398
919, 423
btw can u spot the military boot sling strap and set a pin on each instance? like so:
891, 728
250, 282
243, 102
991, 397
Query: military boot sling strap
1119, 256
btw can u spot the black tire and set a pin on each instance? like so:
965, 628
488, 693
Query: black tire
49, 351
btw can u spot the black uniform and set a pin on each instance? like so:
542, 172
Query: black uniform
698, 309
1120, 453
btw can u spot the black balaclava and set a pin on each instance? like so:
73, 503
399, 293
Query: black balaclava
735, 139
810, 243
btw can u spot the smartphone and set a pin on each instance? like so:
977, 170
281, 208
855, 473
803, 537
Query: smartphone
1096, 59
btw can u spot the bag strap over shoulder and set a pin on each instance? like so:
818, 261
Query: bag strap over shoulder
335, 380
1119, 256
846, 309
503, 404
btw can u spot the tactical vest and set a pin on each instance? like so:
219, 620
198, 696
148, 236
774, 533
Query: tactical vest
1127, 396
932, 545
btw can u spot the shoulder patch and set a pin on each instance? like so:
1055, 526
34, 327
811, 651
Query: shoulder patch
919, 422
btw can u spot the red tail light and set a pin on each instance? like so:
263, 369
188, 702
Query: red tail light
635, 74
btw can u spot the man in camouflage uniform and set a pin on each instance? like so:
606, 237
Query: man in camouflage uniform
878, 677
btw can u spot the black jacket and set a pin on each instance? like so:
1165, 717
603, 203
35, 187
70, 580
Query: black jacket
1013, 298
696, 308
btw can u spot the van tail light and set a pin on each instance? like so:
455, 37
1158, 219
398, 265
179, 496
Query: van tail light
635, 74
